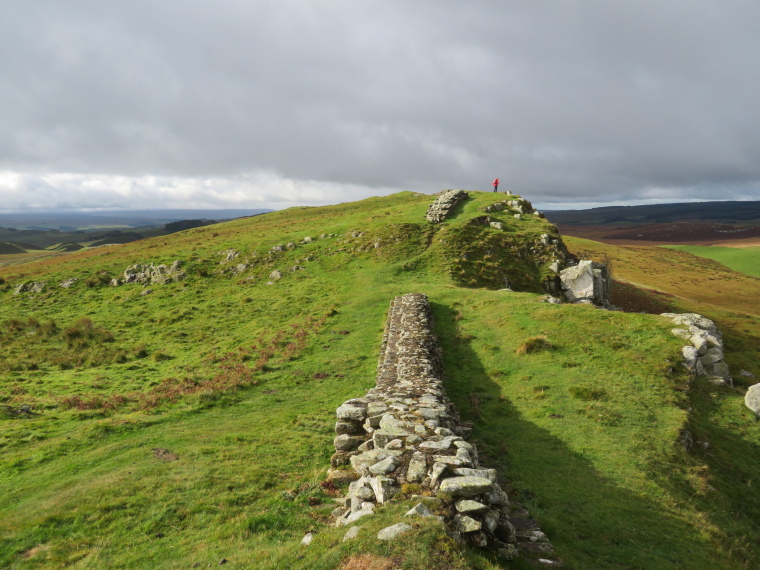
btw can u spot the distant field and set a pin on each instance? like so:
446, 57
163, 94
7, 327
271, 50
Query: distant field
745, 259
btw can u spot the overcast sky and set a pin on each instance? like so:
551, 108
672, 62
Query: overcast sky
258, 103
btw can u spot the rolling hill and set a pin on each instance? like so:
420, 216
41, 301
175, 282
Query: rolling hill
187, 420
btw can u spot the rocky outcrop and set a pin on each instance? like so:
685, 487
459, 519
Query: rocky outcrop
29, 287
586, 282
443, 204
703, 355
154, 274
405, 431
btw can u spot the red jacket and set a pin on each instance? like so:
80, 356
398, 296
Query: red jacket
495, 181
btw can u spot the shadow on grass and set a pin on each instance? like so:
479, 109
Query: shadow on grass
592, 522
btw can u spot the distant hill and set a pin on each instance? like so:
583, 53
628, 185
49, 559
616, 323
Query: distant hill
703, 223
69, 221
729, 212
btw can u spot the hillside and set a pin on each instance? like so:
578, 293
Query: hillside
189, 421
733, 224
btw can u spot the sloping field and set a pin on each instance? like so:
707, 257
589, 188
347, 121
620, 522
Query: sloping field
745, 259
163, 426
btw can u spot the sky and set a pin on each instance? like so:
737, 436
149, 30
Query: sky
108, 104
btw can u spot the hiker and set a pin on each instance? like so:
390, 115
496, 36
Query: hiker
495, 184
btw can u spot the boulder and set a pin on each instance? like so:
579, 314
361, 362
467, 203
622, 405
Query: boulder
419, 510
347, 442
351, 533
752, 399
587, 281
391, 532
465, 524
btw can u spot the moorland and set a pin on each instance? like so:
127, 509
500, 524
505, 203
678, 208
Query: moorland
190, 422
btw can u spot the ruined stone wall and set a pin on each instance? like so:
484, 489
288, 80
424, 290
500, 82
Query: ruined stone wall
703, 355
438, 210
405, 430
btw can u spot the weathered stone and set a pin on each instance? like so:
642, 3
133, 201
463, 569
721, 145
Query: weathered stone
382, 436
479, 539
347, 442
384, 467
348, 427
752, 399
341, 475
719, 370
351, 412
353, 517
466, 524
465, 486
391, 532
420, 510
437, 472
700, 344
491, 521
413, 439
394, 444
351, 533
468, 506
489, 474
587, 281
712, 356
383, 487
366, 446
340, 458
497, 225
417, 469
442, 445
369, 458
690, 356
275, 275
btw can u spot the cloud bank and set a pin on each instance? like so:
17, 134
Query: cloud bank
271, 103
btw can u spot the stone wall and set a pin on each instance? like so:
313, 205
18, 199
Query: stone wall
438, 210
703, 355
406, 432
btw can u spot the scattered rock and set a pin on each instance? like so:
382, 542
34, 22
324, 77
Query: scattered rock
68, 282
586, 282
275, 275
394, 531
351, 533
752, 399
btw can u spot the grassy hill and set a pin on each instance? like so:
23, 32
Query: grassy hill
742, 259
163, 426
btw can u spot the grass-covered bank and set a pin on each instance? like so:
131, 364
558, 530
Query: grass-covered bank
743, 259
200, 427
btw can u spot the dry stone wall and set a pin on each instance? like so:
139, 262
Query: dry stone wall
438, 210
405, 431
703, 355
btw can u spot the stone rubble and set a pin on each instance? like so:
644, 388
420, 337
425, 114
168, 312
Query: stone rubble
443, 204
405, 431
29, 287
703, 356
153, 274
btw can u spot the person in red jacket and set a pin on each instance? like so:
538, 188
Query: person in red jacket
495, 184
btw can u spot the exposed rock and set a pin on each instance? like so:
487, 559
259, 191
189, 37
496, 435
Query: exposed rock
394, 531
703, 356
30, 287
420, 510
68, 282
351, 533
155, 274
465, 524
275, 275
497, 225
752, 399
586, 282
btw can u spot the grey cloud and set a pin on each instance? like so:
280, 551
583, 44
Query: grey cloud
564, 100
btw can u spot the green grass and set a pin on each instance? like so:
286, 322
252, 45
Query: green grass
743, 259
240, 380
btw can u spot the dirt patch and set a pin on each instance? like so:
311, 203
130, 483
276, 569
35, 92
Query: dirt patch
35, 550
371, 562
164, 454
